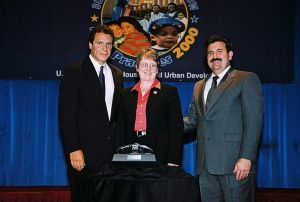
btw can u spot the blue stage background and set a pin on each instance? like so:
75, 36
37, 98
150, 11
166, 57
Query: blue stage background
31, 152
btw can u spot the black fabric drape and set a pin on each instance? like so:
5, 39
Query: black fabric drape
138, 182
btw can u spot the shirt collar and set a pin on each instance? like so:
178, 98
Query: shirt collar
155, 84
96, 64
221, 75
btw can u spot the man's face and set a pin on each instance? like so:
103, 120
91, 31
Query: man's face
101, 47
171, 8
180, 16
147, 16
218, 58
155, 9
167, 37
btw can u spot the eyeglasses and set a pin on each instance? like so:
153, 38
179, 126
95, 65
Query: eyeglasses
152, 66
103, 44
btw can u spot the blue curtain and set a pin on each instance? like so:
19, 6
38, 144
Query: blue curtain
31, 150
279, 157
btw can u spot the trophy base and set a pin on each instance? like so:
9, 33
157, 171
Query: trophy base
134, 157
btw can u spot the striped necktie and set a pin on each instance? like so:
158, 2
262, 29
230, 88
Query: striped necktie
213, 87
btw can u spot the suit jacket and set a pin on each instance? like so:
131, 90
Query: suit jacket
164, 122
231, 127
83, 116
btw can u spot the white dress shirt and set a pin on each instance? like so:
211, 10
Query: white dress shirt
109, 83
145, 24
156, 16
208, 83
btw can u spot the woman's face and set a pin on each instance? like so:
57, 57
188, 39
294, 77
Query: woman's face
127, 28
167, 37
147, 70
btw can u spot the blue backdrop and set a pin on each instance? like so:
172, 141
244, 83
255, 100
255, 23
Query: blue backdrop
38, 41
31, 151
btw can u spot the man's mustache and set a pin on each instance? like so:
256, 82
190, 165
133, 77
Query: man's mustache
215, 59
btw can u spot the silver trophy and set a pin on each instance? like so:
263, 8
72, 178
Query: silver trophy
134, 152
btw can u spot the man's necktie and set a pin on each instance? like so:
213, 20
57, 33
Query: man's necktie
102, 79
213, 87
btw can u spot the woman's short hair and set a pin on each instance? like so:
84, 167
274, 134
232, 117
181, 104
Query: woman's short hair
147, 53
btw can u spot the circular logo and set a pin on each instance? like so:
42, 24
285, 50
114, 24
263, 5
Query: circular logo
169, 28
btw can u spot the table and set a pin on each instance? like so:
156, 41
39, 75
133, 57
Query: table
140, 182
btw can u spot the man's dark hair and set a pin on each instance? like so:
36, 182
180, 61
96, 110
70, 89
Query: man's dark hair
100, 29
218, 38
155, 5
172, 4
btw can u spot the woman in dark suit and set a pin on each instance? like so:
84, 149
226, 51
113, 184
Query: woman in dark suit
150, 112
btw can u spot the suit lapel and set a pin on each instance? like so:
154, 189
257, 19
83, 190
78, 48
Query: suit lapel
93, 85
117, 90
154, 92
201, 97
217, 93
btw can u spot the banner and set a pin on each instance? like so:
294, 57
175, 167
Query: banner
40, 41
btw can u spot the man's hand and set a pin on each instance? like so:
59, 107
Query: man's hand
77, 160
242, 168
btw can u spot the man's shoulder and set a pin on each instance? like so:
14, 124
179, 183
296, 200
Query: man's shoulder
78, 65
73, 69
243, 73
245, 76
199, 83
76, 69
114, 68
75, 65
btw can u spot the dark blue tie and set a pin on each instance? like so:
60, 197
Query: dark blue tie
212, 88
102, 79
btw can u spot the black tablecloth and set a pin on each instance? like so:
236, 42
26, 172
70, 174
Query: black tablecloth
122, 182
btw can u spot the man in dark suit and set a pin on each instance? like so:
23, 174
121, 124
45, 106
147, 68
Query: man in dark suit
227, 111
88, 99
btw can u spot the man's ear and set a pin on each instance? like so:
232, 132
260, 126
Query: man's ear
90, 45
230, 55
